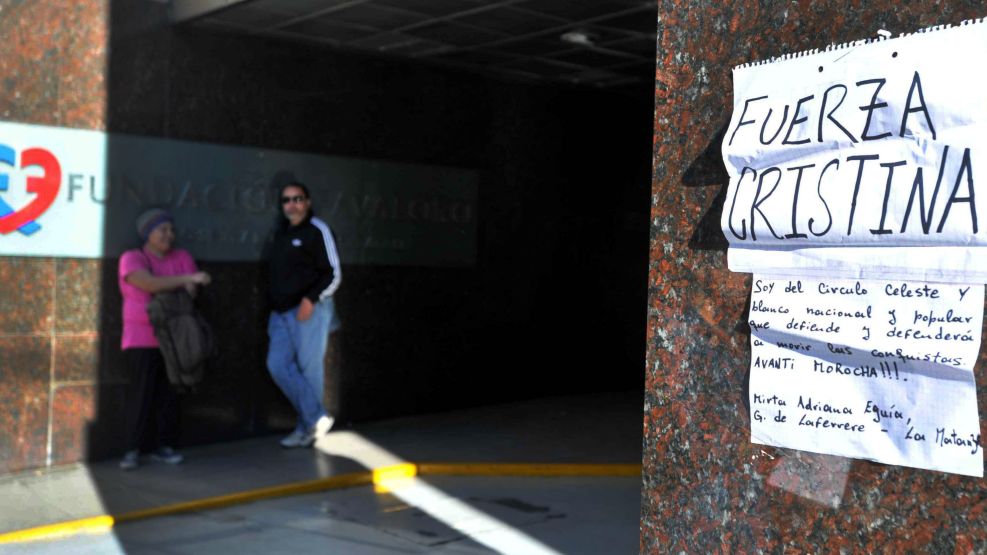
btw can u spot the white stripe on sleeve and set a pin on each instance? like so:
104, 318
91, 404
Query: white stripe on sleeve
337, 271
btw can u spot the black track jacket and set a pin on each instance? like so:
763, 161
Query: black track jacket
304, 263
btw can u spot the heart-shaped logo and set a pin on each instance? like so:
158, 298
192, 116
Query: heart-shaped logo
45, 187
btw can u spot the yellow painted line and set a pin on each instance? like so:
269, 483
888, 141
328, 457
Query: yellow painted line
92, 525
527, 469
395, 472
379, 478
385, 478
297, 488
103, 523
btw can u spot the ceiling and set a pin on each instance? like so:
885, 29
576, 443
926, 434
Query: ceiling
597, 43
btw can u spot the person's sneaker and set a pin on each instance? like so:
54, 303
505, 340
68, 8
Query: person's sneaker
323, 425
296, 438
130, 460
320, 429
167, 455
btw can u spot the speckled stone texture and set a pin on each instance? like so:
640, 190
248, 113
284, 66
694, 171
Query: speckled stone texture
52, 72
53, 62
706, 488
76, 358
27, 297
24, 372
73, 407
26, 319
77, 295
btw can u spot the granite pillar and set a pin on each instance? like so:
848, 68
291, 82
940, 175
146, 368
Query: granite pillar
707, 488
53, 62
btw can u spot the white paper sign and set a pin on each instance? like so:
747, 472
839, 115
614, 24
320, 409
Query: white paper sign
852, 160
880, 370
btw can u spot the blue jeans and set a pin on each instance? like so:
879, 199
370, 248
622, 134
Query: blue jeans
295, 358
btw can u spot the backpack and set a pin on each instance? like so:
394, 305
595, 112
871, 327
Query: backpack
185, 338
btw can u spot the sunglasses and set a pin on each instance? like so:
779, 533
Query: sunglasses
295, 199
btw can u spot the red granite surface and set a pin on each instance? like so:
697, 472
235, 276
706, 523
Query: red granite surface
27, 296
77, 358
73, 408
78, 295
53, 62
52, 72
707, 489
25, 365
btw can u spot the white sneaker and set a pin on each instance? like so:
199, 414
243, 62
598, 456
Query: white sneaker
307, 439
323, 425
167, 455
296, 439
130, 460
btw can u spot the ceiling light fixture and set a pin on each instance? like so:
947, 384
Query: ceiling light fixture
580, 38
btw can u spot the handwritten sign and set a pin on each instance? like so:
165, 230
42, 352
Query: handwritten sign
874, 369
875, 145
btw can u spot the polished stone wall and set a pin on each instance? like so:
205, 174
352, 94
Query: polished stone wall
53, 62
553, 305
706, 488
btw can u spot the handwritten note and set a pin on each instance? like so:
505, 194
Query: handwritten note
875, 145
880, 370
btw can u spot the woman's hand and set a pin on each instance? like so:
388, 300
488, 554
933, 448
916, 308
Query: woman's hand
200, 278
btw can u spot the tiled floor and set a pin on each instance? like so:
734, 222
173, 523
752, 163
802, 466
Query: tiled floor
430, 514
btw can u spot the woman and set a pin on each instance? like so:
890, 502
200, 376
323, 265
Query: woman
152, 406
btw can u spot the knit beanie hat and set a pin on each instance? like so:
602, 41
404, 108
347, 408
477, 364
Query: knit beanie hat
151, 219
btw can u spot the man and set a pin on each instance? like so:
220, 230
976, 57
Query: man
305, 272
